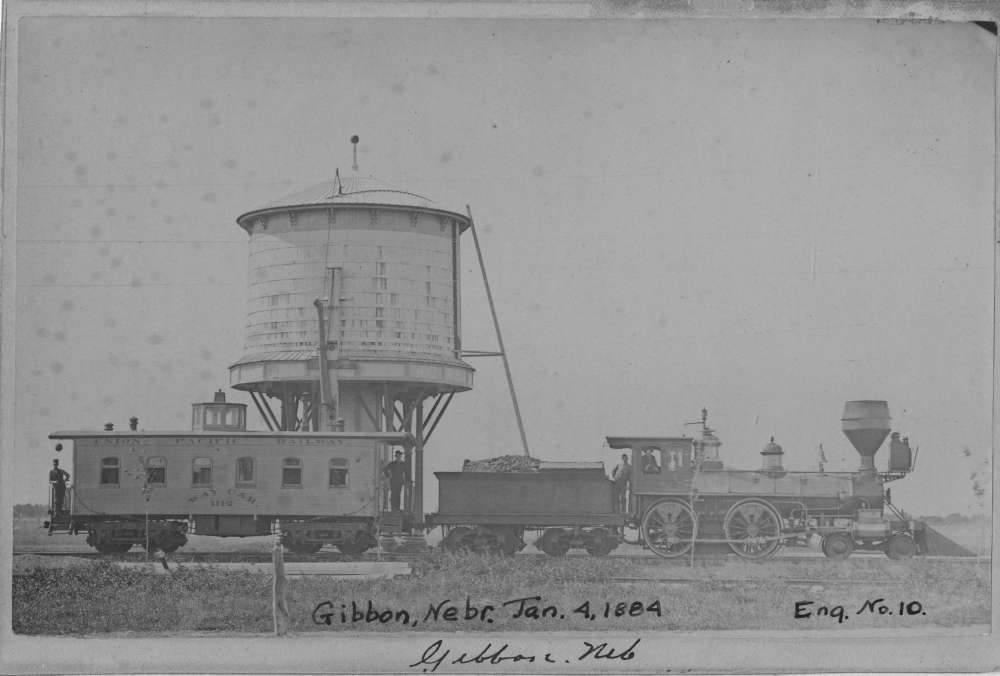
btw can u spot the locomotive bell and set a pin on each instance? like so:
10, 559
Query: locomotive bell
866, 423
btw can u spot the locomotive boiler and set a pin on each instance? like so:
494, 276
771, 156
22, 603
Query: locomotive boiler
681, 497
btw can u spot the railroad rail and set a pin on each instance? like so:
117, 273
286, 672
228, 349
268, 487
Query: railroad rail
333, 556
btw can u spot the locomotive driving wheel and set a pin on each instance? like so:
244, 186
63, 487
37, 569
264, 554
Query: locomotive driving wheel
753, 528
669, 528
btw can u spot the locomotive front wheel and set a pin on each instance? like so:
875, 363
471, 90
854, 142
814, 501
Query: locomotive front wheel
669, 528
838, 546
900, 546
753, 528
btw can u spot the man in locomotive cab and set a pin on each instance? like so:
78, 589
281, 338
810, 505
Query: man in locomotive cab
396, 472
58, 478
649, 464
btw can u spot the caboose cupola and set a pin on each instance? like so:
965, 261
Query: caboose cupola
218, 415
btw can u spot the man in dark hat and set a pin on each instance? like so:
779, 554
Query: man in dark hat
396, 471
58, 478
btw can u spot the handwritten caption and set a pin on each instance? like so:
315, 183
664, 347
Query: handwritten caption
805, 610
527, 608
437, 654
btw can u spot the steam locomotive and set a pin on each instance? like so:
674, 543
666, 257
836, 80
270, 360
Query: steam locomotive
681, 497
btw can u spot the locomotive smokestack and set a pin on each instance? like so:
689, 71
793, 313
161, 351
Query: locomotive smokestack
866, 424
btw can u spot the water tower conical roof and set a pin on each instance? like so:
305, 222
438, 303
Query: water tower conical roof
350, 190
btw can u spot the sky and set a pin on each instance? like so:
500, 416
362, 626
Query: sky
765, 218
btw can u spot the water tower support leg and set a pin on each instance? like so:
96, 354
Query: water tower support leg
260, 409
418, 470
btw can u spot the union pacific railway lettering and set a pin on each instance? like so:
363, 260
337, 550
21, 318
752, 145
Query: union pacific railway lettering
206, 441
284, 441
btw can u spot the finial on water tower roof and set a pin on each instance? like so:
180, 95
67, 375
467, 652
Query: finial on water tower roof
338, 186
354, 142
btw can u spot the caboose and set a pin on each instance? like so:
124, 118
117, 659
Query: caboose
154, 488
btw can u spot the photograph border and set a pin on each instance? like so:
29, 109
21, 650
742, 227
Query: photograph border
902, 650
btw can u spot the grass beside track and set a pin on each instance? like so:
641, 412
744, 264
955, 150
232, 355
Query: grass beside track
101, 597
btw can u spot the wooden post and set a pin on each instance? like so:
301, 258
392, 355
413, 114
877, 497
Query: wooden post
279, 601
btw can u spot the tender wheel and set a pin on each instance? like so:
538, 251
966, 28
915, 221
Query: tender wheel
753, 528
669, 527
900, 546
600, 542
510, 542
455, 541
838, 546
554, 542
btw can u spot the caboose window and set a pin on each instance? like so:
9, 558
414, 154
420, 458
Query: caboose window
156, 471
202, 472
244, 472
338, 472
109, 471
291, 472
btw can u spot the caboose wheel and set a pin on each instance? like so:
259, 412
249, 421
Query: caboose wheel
837, 546
900, 546
354, 547
753, 528
669, 528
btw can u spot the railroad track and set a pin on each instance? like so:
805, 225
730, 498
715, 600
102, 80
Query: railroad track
335, 556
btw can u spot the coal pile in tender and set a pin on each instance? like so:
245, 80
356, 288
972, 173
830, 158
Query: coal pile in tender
503, 463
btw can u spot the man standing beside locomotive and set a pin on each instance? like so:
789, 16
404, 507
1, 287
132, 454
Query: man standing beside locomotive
396, 471
622, 476
58, 478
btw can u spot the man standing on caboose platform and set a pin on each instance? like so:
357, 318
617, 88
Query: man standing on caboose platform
396, 471
58, 478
